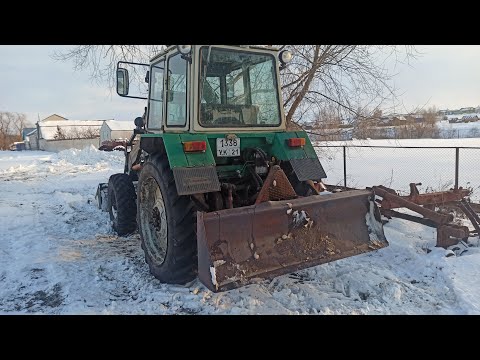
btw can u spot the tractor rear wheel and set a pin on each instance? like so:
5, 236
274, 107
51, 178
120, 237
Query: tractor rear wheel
122, 204
166, 224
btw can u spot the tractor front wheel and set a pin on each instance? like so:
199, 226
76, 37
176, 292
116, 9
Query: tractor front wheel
166, 224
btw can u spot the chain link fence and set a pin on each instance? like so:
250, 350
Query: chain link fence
436, 168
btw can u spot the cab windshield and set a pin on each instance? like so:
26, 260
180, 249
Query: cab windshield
238, 89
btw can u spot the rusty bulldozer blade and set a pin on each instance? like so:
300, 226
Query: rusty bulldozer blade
236, 246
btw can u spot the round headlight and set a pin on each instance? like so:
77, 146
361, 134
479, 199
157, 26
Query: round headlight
285, 56
184, 49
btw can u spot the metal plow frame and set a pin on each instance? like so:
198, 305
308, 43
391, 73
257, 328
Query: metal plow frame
448, 232
237, 246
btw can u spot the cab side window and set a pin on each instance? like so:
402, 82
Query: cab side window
155, 119
177, 91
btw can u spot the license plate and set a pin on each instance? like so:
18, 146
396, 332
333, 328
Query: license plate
228, 148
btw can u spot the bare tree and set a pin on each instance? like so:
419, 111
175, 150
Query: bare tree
86, 133
74, 133
11, 126
353, 77
427, 127
101, 60
5, 130
348, 76
60, 134
20, 123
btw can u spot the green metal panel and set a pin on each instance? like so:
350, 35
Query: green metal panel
178, 158
260, 139
274, 143
282, 151
174, 148
198, 159
308, 148
268, 136
152, 135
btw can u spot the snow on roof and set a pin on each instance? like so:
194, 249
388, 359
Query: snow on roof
50, 128
120, 125
459, 116
31, 132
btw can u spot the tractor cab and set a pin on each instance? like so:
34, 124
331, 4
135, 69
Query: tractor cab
212, 88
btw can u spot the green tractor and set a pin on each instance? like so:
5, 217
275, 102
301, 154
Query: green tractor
217, 186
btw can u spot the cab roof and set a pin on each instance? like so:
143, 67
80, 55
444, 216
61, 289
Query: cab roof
171, 47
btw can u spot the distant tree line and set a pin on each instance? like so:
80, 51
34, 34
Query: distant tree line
329, 126
11, 126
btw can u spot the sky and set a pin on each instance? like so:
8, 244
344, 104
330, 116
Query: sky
447, 76
32, 82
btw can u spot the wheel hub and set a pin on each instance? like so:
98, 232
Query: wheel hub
154, 220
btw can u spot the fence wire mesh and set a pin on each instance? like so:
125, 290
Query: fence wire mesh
436, 168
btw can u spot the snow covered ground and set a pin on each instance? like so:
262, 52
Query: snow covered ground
458, 130
59, 256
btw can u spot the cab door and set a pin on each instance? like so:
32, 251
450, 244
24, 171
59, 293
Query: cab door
156, 101
177, 109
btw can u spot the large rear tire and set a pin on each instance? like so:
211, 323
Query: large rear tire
166, 224
122, 204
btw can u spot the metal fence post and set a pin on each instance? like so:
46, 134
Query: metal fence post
457, 158
345, 166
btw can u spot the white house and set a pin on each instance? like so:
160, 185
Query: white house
112, 130
56, 133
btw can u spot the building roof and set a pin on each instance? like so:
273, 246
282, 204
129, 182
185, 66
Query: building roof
115, 125
54, 117
49, 129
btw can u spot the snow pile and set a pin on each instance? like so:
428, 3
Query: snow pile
66, 162
90, 155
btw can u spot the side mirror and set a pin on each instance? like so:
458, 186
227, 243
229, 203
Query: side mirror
139, 122
122, 82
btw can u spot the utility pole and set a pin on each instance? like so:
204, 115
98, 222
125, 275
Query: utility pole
38, 132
